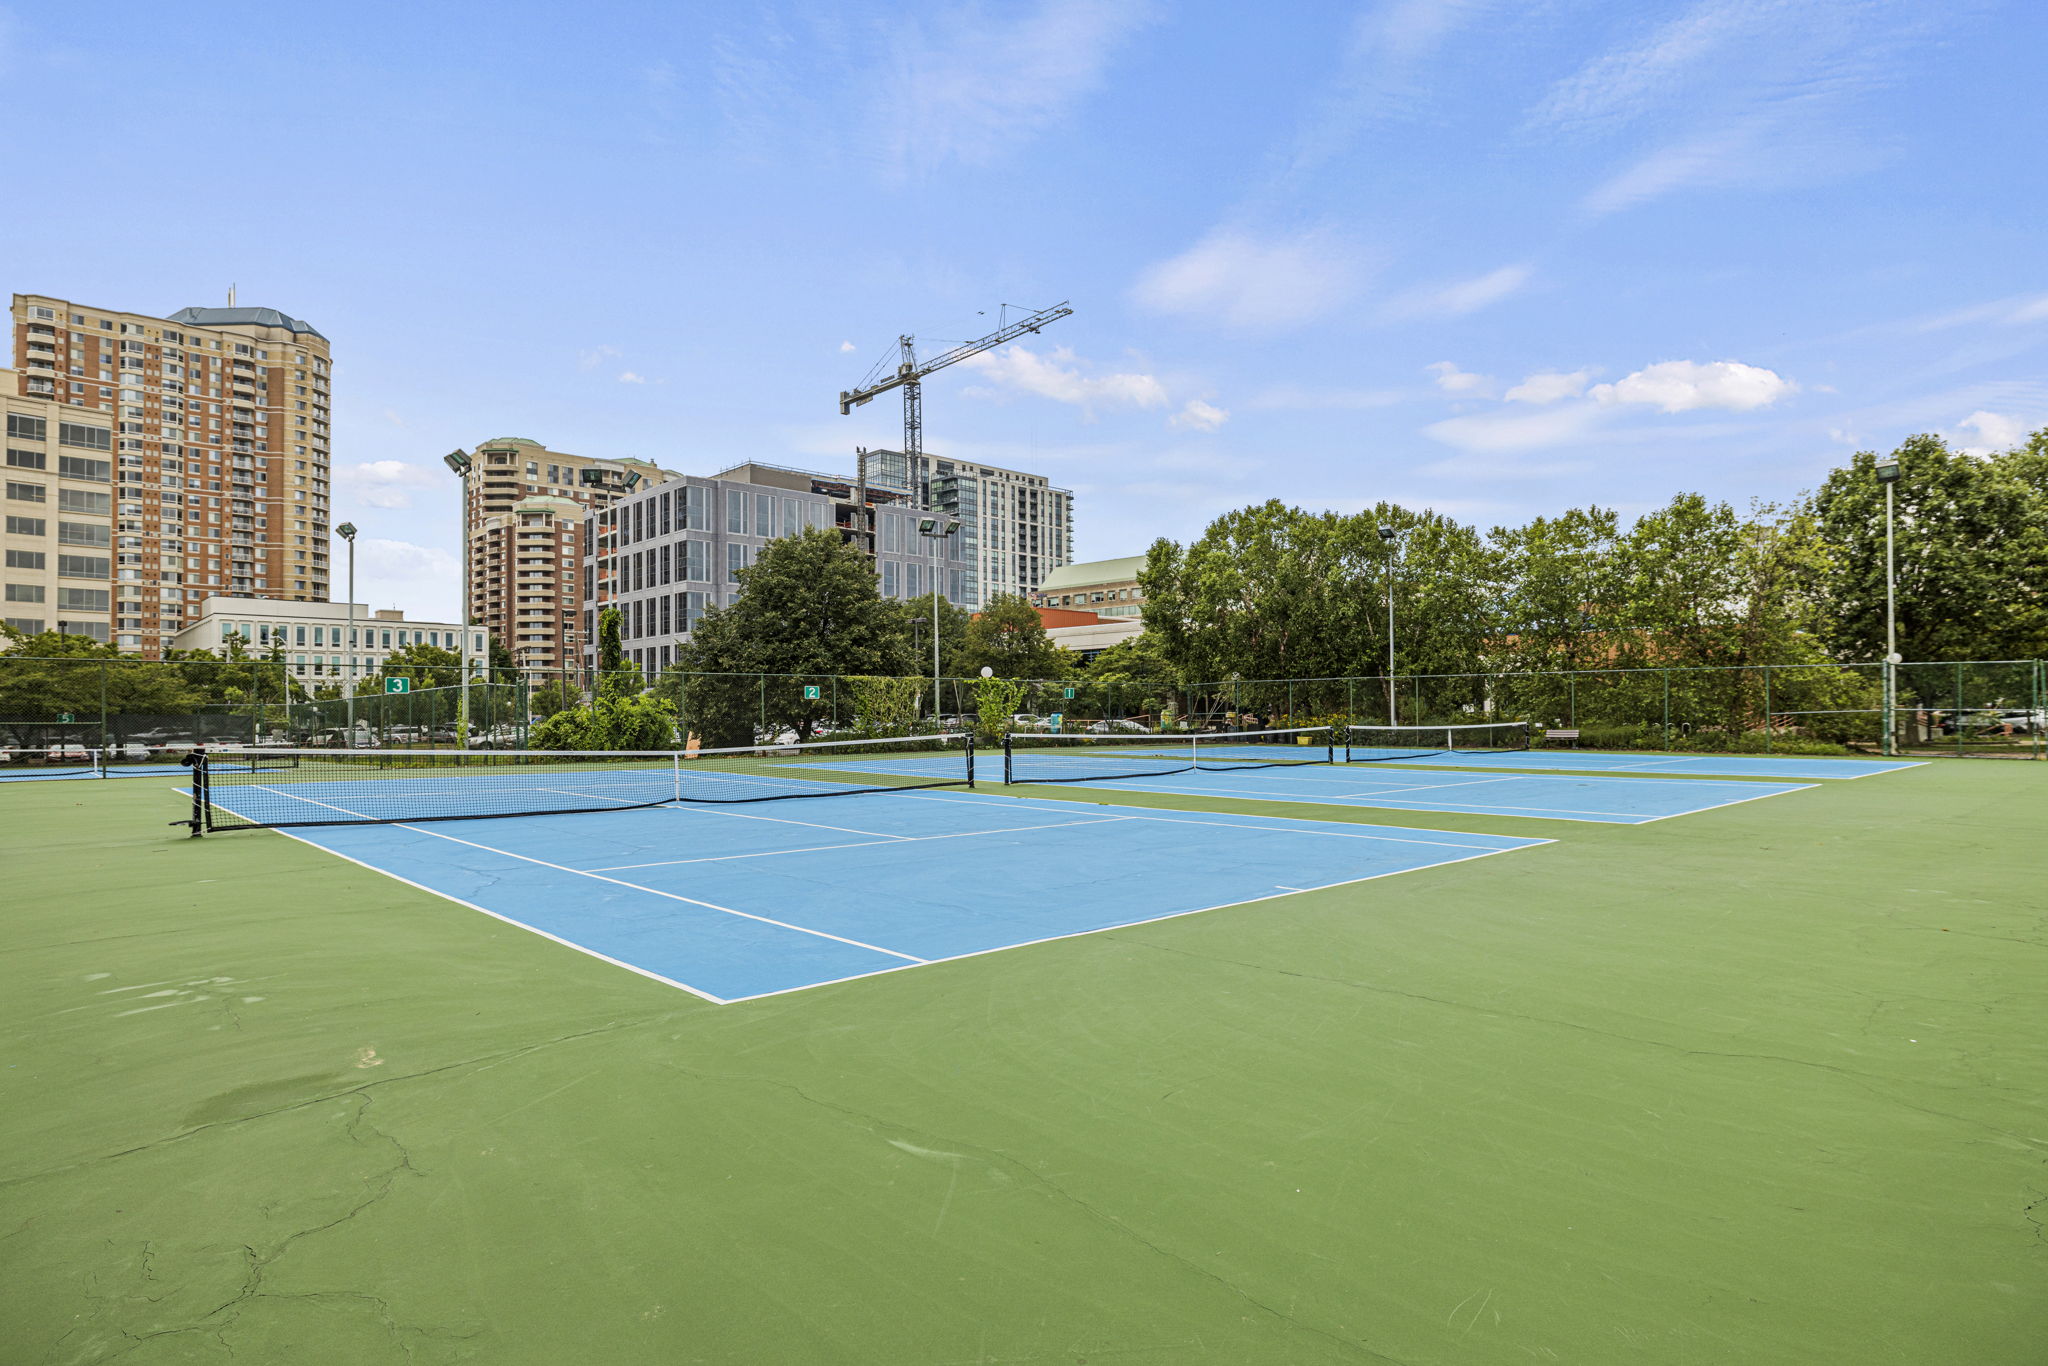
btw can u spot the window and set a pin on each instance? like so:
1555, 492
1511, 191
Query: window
27, 559
25, 428
697, 504
27, 460
27, 526
78, 467
27, 493
696, 567
735, 557
84, 533
26, 625
664, 564
85, 500
764, 515
790, 524
666, 629
889, 570
83, 599
90, 438
735, 512
24, 592
664, 521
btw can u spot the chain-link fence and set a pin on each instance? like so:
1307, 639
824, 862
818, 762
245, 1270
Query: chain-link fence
1971, 707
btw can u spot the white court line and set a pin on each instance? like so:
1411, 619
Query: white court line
1147, 920
1183, 818
864, 844
617, 882
517, 924
1736, 801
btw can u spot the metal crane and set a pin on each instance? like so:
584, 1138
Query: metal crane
910, 373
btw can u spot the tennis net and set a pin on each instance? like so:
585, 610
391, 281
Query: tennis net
1371, 744
240, 789
1034, 758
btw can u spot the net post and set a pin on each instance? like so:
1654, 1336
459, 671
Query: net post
196, 761
1008, 761
970, 758
675, 763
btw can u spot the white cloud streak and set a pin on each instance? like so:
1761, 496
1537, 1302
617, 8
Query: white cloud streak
1452, 380
1250, 282
1059, 376
970, 85
1200, 417
1462, 297
1549, 387
387, 484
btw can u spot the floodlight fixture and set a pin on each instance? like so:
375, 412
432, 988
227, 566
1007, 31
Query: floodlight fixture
1888, 469
457, 462
347, 531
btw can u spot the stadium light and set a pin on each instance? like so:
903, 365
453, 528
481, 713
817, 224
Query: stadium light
1392, 539
1888, 474
458, 462
347, 532
934, 530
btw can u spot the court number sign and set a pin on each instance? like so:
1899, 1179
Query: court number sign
398, 685
812, 694
1068, 694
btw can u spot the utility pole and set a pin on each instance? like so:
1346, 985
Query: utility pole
458, 461
1888, 475
347, 532
1392, 538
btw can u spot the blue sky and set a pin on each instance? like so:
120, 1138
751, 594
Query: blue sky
1493, 258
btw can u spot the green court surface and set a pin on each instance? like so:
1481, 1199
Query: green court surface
1767, 1084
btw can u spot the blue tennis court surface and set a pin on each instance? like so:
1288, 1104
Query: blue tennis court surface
731, 903
115, 771
1558, 797
1676, 765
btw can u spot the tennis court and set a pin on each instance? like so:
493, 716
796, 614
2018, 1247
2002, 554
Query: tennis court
1797, 767
1556, 797
49, 772
731, 904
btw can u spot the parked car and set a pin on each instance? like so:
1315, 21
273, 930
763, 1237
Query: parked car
1114, 727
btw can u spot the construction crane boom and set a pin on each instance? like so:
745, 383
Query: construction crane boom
910, 370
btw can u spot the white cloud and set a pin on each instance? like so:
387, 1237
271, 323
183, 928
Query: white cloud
1513, 430
596, 356
1677, 386
1994, 432
628, 377
391, 415
1059, 377
1200, 416
1248, 282
968, 85
844, 347
1549, 386
1452, 380
384, 483
1462, 297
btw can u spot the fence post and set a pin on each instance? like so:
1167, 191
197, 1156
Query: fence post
1667, 708
1767, 709
1959, 709
103, 704
1571, 684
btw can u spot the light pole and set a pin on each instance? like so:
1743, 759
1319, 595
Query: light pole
347, 532
1392, 539
1888, 475
458, 461
935, 530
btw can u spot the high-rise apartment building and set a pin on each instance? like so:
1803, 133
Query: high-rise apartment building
1017, 527
153, 462
529, 539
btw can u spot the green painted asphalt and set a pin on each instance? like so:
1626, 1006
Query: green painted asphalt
1762, 1085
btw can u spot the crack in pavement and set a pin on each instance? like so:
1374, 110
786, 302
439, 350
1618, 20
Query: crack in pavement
924, 1138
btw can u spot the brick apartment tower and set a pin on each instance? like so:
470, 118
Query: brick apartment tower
174, 458
527, 522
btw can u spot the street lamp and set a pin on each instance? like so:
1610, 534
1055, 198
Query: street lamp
935, 530
458, 462
1392, 539
347, 532
1888, 475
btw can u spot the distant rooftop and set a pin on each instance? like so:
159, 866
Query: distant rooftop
258, 317
1088, 573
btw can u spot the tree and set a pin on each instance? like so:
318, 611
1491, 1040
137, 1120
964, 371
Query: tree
641, 721
1008, 636
428, 666
617, 676
1137, 676
504, 668
1971, 546
808, 608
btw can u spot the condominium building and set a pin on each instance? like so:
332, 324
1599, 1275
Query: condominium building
526, 519
155, 461
666, 553
322, 640
1017, 527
